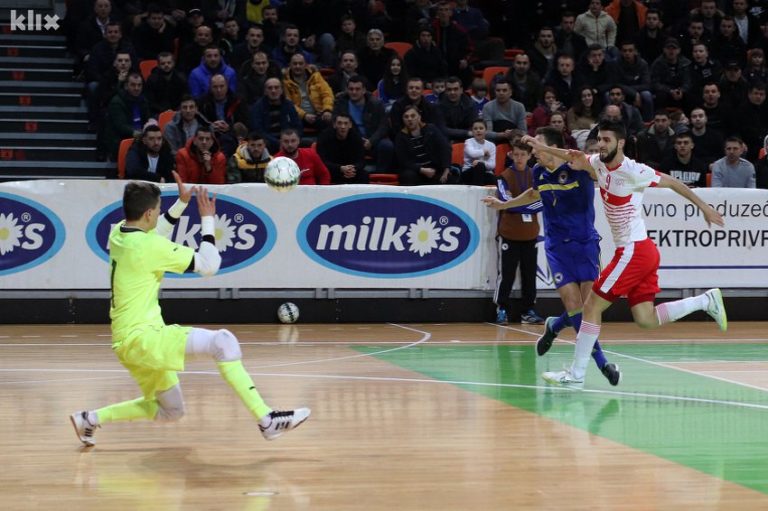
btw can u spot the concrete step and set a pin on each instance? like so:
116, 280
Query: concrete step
19, 74
21, 170
13, 50
37, 62
45, 112
41, 85
40, 99
24, 39
70, 140
49, 152
42, 125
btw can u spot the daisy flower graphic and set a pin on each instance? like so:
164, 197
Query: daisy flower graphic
224, 233
10, 233
423, 236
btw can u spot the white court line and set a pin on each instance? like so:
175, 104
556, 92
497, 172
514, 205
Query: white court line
58, 381
651, 362
392, 379
425, 337
721, 361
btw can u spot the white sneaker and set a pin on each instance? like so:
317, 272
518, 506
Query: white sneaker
564, 378
716, 308
83, 428
283, 421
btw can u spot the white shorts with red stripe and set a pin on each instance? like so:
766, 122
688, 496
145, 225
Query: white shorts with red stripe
632, 273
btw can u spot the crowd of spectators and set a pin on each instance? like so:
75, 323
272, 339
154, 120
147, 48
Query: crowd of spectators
317, 81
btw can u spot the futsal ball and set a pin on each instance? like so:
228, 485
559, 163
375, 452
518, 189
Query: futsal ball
282, 174
288, 313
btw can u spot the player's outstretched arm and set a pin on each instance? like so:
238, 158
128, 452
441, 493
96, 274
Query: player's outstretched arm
166, 222
710, 215
207, 258
577, 159
527, 197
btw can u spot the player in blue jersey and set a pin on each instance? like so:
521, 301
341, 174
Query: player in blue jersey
571, 242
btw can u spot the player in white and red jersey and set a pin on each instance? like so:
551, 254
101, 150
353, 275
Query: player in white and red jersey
633, 270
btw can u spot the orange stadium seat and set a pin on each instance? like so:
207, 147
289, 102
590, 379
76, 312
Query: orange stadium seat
511, 53
457, 153
122, 152
400, 47
384, 179
164, 118
501, 155
491, 71
146, 67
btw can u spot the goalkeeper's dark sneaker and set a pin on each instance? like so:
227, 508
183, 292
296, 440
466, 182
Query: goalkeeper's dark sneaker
612, 374
549, 336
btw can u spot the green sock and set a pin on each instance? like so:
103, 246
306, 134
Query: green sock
128, 410
234, 373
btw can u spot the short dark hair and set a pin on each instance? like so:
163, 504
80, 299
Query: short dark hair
617, 128
150, 128
289, 131
356, 79
254, 135
154, 8
138, 197
522, 146
552, 136
205, 128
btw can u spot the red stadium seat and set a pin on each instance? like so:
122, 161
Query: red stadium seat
122, 152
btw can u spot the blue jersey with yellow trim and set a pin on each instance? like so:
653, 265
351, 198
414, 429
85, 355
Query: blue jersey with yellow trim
568, 198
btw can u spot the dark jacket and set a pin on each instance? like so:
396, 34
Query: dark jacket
235, 111
149, 42
577, 41
666, 76
458, 117
335, 153
430, 114
164, 91
648, 149
565, 93
250, 86
259, 117
530, 93
426, 63
372, 65
137, 164
374, 118
436, 147
103, 57
120, 120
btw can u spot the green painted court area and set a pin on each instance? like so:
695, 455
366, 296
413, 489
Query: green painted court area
717, 427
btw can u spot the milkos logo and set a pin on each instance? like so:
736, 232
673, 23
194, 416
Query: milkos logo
30, 234
388, 235
244, 233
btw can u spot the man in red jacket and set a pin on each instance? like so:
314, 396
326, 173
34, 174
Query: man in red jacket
313, 170
201, 161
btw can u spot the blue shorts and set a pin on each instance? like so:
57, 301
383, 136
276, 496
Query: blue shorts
574, 262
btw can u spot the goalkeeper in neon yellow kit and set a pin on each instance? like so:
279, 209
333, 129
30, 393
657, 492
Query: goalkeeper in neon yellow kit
140, 253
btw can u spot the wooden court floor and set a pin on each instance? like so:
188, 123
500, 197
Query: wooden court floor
405, 416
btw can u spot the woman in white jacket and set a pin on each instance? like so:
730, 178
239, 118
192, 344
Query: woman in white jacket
479, 158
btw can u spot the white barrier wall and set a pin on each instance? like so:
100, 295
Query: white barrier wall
53, 236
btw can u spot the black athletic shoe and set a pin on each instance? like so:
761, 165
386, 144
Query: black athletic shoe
612, 373
546, 340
